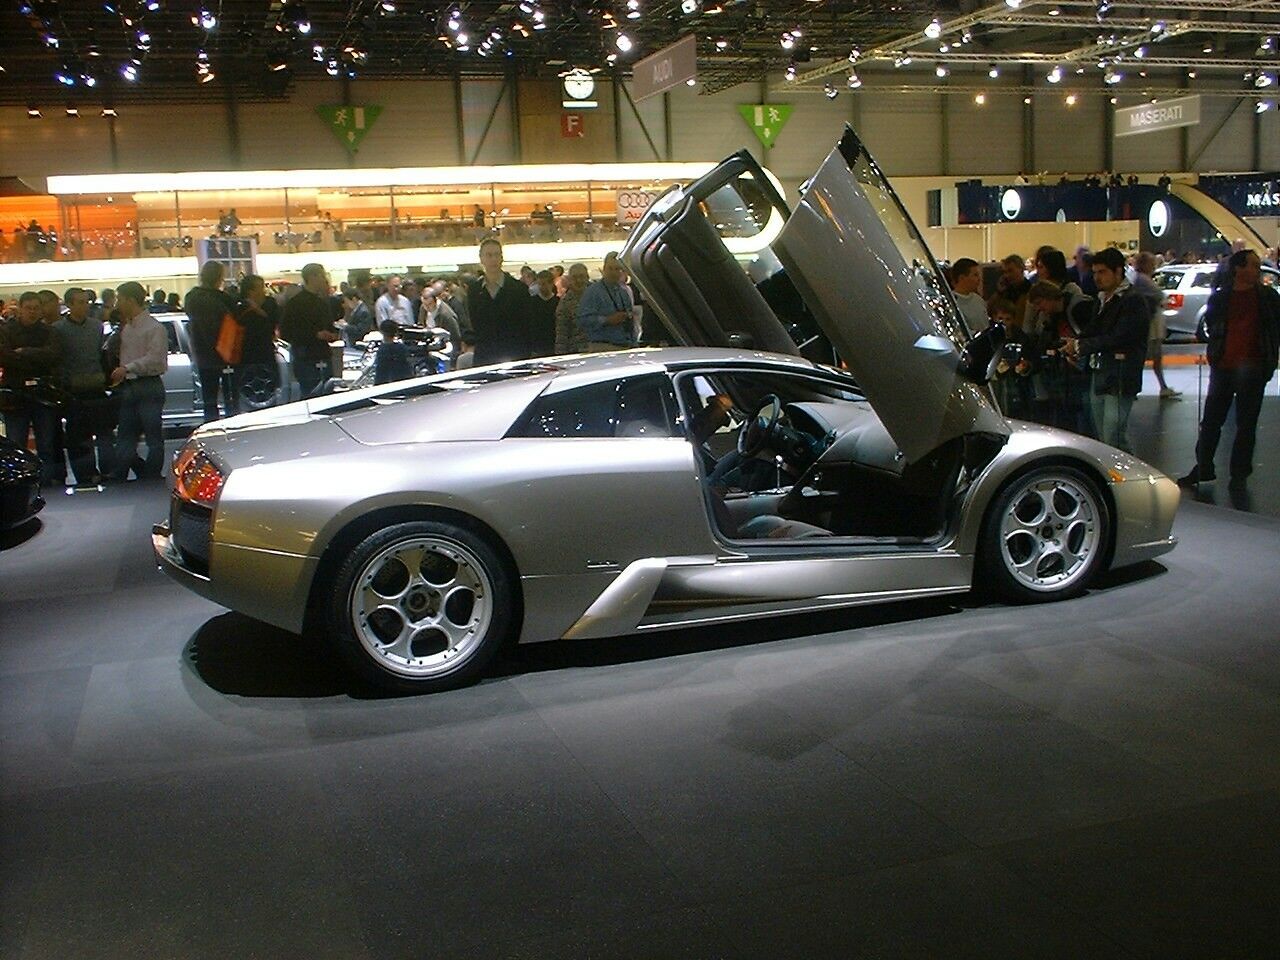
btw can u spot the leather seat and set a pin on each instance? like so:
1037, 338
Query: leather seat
773, 527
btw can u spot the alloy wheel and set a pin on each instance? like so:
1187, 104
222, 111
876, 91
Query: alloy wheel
422, 606
1051, 532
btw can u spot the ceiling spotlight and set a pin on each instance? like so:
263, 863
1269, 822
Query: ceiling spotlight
152, 5
940, 70
1055, 75
303, 26
854, 54
993, 72
1208, 47
944, 48
206, 20
1140, 52
73, 113
129, 72
144, 39
1026, 101
1262, 106
51, 41
934, 30
1191, 74
1264, 79
855, 81
688, 7
623, 43
980, 98
34, 113
787, 41
331, 68
317, 52
1013, 4
691, 82
1102, 9
454, 23
278, 63
65, 77
109, 112
1112, 76
387, 6
829, 91
89, 80
462, 41
1266, 45
1071, 100
206, 76
722, 44
791, 71
1055, 11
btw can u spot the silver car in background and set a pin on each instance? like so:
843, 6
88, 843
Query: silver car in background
182, 404
421, 525
1187, 287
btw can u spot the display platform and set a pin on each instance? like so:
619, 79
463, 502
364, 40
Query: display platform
1093, 778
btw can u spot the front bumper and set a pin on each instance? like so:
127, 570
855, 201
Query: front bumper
20, 502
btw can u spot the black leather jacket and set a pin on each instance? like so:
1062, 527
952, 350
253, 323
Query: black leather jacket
1215, 321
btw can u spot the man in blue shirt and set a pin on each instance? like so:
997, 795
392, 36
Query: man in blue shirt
606, 312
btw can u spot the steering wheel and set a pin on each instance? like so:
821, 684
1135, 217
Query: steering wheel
759, 428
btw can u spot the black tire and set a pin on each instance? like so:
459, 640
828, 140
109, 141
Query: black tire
1202, 331
365, 641
1047, 538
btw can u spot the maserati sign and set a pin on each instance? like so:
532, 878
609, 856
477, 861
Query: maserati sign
1161, 115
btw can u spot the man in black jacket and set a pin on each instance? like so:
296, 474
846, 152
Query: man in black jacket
499, 305
206, 307
308, 326
29, 355
1243, 321
1116, 345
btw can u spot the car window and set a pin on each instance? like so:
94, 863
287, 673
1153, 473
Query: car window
1168, 279
1203, 279
633, 408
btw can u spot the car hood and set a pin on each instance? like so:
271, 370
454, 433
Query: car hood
848, 260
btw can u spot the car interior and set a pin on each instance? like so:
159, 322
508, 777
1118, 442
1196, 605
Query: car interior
799, 458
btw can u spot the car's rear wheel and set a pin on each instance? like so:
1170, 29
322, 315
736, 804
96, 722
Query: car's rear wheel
258, 386
1045, 538
422, 606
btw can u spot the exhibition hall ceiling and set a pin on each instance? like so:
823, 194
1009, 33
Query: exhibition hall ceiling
101, 52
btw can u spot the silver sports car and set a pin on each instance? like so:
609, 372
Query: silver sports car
825, 438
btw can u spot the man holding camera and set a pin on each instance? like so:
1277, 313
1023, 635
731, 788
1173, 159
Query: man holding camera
1116, 345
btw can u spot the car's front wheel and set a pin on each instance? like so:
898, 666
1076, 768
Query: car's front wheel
1045, 537
422, 606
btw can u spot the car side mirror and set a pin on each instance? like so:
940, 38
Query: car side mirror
982, 353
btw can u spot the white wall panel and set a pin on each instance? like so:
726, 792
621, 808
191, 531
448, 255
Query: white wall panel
902, 131
1224, 134
985, 139
635, 147
1269, 140
478, 99
1067, 138
55, 144
710, 127
815, 126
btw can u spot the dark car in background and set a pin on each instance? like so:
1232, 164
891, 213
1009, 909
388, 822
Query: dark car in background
20, 498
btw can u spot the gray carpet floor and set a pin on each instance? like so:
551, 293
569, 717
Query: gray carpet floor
1097, 778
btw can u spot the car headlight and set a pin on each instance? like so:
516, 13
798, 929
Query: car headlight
197, 477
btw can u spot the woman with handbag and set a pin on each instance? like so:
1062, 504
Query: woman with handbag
208, 312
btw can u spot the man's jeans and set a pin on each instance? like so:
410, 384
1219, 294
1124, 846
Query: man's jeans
90, 424
27, 416
141, 409
310, 374
1111, 418
211, 380
1245, 386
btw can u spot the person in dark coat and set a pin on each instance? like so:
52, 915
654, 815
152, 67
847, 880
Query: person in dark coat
1242, 318
542, 316
308, 325
1115, 343
499, 307
256, 312
206, 306
391, 362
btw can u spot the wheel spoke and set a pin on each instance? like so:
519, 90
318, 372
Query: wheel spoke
1059, 516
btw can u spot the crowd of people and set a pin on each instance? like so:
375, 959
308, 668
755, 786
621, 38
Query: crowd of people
85, 375
1078, 338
